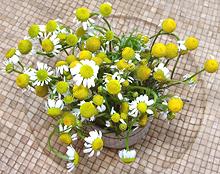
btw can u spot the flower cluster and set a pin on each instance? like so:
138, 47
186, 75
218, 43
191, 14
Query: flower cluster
114, 82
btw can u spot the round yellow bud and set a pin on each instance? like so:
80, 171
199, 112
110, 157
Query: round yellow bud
143, 120
159, 50
80, 92
97, 60
105, 9
82, 14
51, 26
70, 59
24, 46
191, 43
175, 104
159, 75
11, 52
124, 116
65, 138
171, 50
93, 44
97, 144
47, 45
62, 87
128, 53
71, 39
98, 99
88, 110
33, 30
168, 25
69, 119
122, 64
211, 65
143, 72
113, 87
115, 117
85, 55
41, 91
22, 80
80, 32
109, 35
123, 127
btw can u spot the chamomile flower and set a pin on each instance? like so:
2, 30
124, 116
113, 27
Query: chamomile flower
161, 73
85, 72
99, 101
140, 105
113, 84
41, 76
54, 107
8, 67
87, 110
61, 67
73, 157
51, 45
127, 156
93, 143
13, 55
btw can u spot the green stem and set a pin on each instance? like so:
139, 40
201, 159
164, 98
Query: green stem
167, 62
17, 71
179, 82
171, 34
156, 36
53, 150
109, 26
174, 68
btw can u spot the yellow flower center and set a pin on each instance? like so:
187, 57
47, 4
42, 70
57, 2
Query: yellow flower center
61, 36
10, 53
51, 26
159, 75
24, 46
159, 50
80, 92
169, 25
171, 50
42, 75
109, 35
113, 87
60, 63
87, 110
105, 9
47, 45
115, 117
143, 72
80, 32
86, 71
69, 119
128, 160
97, 60
98, 99
85, 55
124, 116
54, 112
142, 107
68, 99
211, 65
122, 64
143, 120
123, 127
97, 144
41, 91
71, 39
82, 14
33, 30
175, 104
128, 53
93, 44
124, 107
22, 80
70, 59
191, 43
65, 138
62, 87
76, 159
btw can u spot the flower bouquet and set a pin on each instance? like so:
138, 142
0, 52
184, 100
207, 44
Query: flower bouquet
102, 83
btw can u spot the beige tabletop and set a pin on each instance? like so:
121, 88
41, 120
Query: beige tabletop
188, 144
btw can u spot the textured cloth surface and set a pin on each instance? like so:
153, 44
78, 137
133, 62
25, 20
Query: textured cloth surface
188, 144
